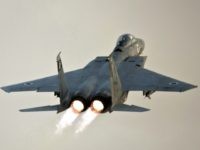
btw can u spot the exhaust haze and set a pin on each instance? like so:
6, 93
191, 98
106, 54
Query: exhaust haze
85, 120
66, 120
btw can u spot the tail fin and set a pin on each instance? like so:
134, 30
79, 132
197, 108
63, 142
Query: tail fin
64, 91
116, 88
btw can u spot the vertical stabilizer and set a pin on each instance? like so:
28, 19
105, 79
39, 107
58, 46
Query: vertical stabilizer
63, 89
116, 88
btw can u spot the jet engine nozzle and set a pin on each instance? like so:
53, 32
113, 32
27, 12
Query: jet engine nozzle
101, 104
77, 106
97, 106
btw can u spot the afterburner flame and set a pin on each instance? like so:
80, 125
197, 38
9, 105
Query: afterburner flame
77, 106
97, 106
66, 120
71, 115
86, 119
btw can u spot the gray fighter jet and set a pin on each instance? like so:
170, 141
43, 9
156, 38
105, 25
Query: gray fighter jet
104, 83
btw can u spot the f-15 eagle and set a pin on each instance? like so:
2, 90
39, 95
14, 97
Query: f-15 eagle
104, 83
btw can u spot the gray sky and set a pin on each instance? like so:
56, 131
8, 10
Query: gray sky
33, 32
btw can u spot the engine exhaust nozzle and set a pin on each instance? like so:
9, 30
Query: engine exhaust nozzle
97, 106
77, 106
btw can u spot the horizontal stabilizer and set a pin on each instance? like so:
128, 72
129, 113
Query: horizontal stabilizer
129, 108
40, 108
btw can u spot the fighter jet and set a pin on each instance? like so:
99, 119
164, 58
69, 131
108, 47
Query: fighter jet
104, 83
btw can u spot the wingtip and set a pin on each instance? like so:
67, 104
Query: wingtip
21, 110
193, 86
189, 87
5, 89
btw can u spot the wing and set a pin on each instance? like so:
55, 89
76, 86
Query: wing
51, 84
47, 84
132, 75
135, 78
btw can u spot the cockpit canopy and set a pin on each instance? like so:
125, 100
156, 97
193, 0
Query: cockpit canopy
126, 40
130, 44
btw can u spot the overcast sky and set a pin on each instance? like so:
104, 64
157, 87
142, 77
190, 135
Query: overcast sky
33, 32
